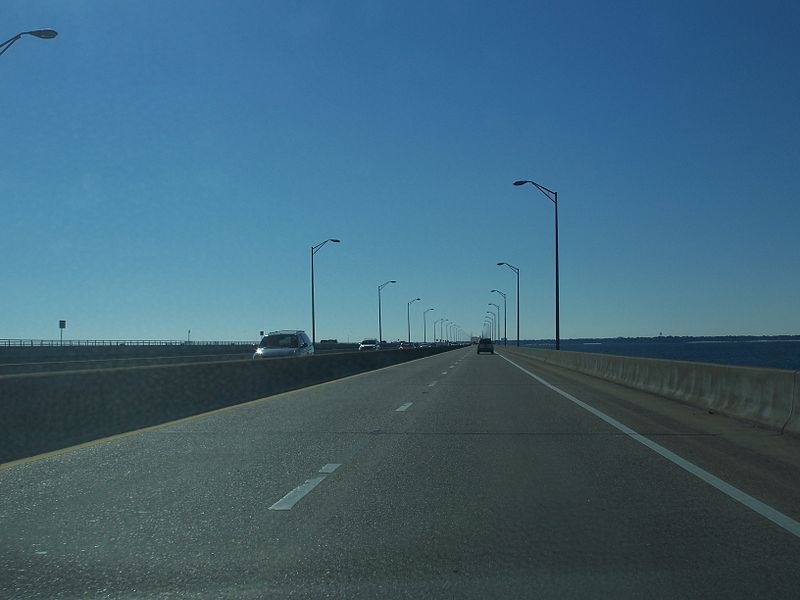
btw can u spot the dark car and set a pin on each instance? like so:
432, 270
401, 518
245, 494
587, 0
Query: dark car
485, 345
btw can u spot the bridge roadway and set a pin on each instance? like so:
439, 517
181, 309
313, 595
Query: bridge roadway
453, 476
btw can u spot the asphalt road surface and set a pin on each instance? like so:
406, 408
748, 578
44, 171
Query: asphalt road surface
453, 476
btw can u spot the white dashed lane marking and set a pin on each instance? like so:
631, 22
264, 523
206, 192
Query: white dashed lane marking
301, 491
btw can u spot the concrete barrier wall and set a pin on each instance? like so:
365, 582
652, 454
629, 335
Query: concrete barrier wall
26, 354
47, 411
793, 425
767, 397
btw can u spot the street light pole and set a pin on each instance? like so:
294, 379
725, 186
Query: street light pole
516, 270
491, 316
505, 317
553, 196
425, 325
314, 250
408, 317
497, 306
44, 34
380, 324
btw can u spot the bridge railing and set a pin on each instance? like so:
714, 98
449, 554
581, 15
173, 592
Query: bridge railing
23, 343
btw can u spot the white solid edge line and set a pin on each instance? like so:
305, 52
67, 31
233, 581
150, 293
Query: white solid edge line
777, 517
403, 407
297, 494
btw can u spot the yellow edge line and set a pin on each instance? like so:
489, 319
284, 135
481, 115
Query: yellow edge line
121, 436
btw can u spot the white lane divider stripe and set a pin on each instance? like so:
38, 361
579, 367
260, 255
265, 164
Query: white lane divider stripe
432, 384
298, 493
444, 372
403, 407
766, 511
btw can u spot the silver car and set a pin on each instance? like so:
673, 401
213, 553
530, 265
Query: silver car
287, 342
369, 344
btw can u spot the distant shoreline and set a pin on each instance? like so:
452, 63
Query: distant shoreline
672, 339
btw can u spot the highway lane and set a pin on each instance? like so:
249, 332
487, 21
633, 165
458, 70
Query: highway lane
452, 476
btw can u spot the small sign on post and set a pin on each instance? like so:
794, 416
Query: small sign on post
62, 325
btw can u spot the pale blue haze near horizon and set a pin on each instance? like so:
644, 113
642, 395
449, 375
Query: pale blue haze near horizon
167, 166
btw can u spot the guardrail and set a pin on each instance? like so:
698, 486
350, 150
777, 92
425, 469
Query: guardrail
20, 343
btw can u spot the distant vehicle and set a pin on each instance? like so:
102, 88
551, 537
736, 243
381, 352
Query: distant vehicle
287, 342
369, 344
406, 346
485, 345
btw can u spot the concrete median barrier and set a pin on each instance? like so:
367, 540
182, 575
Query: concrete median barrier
38, 354
766, 397
47, 411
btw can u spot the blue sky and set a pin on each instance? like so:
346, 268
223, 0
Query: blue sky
167, 166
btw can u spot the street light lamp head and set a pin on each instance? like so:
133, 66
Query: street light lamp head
45, 34
521, 182
500, 264
334, 241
